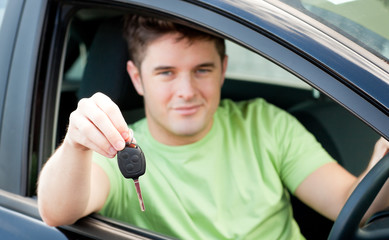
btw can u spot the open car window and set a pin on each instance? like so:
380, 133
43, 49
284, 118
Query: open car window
92, 64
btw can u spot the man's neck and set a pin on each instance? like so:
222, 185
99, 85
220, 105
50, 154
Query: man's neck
166, 137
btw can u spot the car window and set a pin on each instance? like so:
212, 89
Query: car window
246, 65
361, 21
242, 65
249, 75
3, 4
245, 71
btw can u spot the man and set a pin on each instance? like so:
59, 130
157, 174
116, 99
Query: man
214, 169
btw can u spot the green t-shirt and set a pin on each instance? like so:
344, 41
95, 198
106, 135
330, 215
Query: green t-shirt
232, 184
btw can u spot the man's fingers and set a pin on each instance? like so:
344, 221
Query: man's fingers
113, 112
384, 145
83, 133
380, 149
131, 137
98, 124
109, 120
102, 122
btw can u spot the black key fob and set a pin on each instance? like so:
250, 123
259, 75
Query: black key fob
131, 161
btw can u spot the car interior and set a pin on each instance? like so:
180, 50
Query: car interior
95, 61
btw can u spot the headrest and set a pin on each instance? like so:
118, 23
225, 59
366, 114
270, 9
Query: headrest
105, 70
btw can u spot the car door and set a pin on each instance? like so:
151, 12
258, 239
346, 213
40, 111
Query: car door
20, 36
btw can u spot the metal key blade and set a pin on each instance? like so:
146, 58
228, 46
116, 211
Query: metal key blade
139, 193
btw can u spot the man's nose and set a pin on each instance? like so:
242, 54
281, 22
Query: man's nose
187, 87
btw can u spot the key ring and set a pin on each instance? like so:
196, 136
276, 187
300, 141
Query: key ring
131, 144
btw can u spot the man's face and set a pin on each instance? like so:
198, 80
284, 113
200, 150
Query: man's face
181, 83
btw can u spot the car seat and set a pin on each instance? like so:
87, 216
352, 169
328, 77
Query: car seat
105, 70
346, 138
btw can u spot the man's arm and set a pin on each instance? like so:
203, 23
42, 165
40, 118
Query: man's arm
327, 189
70, 185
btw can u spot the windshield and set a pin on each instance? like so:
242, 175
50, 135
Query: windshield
3, 3
364, 22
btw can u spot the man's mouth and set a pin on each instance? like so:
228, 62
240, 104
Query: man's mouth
187, 110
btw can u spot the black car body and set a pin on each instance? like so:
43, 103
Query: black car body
40, 41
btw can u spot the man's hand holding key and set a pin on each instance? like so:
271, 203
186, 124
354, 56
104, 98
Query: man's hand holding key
98, 125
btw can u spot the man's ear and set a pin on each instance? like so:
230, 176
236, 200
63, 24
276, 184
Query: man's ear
224, 69
134, 73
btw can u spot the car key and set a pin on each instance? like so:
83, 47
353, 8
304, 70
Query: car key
132, 164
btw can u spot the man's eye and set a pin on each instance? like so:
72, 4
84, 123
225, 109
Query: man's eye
165, 73
203, 70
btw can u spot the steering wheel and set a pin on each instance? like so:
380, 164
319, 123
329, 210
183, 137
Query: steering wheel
346, 225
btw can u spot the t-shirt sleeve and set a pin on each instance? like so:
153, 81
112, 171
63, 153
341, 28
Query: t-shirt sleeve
117, 182
300, 153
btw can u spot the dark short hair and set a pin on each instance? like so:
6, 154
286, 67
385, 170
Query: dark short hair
140, 31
